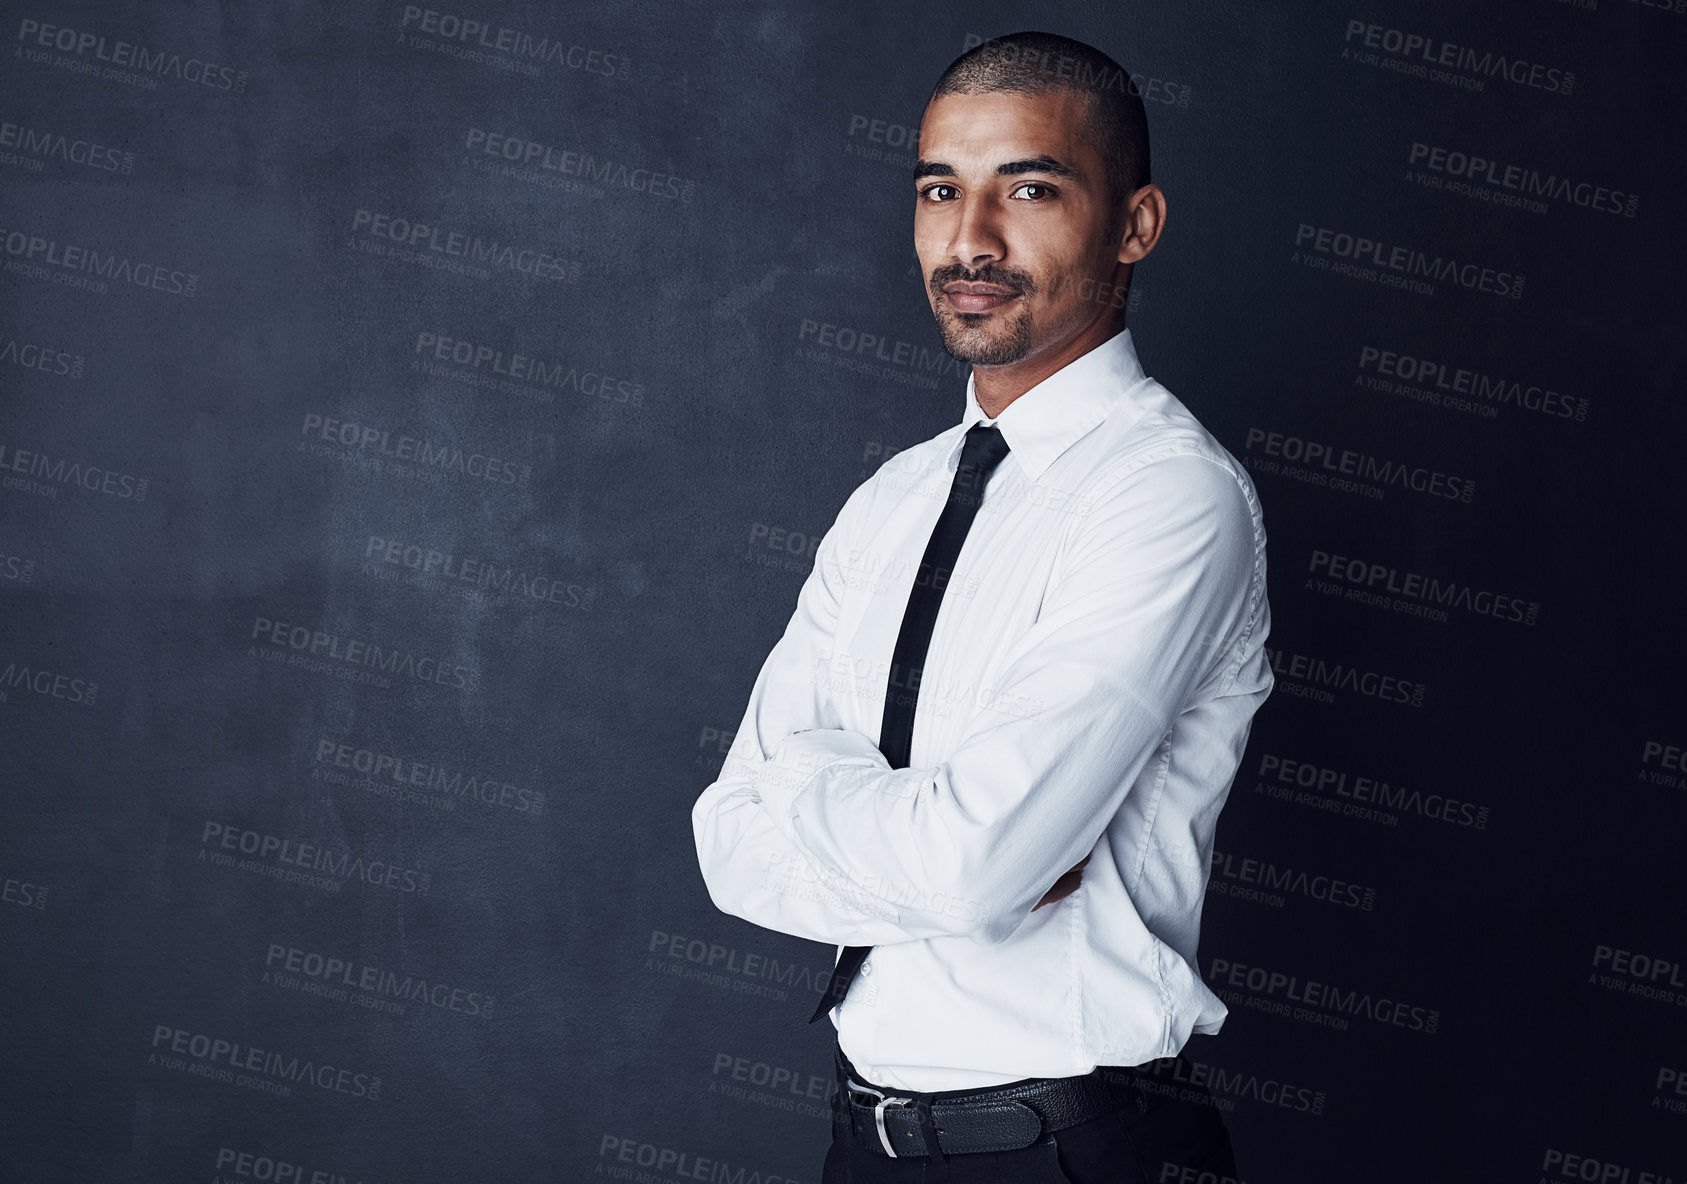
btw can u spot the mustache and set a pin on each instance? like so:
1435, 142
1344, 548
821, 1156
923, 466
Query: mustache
1007, 277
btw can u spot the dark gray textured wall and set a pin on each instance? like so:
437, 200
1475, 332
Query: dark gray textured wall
238, 410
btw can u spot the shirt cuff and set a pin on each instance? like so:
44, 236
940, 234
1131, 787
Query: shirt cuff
816, 763
801, 763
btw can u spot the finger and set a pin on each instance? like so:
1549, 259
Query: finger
1053, 894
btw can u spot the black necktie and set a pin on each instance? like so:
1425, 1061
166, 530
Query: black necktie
982, 452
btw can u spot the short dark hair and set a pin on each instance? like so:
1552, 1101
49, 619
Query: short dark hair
1035, 63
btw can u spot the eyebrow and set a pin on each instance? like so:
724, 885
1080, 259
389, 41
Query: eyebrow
1012, 168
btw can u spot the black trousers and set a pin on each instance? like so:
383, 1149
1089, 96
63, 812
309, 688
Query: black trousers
1166, 1130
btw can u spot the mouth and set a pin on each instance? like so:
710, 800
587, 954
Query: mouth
967, 296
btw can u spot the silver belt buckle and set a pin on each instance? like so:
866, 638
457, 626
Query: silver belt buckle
879, 1110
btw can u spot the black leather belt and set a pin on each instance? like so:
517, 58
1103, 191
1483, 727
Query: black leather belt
1003, 1118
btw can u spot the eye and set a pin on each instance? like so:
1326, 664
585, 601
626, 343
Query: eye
939, 193
1034, 191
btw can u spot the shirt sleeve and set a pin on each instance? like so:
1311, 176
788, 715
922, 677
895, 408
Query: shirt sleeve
1150, 606
750, 862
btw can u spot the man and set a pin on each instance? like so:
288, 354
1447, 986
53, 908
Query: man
994, 740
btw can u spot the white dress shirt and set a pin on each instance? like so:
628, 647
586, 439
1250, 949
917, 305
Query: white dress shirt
1089, 688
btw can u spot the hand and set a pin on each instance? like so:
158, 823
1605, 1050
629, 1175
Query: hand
1065, 886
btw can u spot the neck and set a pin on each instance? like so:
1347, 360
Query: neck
995, 387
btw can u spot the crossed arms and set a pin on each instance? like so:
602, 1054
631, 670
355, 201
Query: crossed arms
809, 832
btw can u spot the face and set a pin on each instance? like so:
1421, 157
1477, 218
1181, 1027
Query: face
1011, 226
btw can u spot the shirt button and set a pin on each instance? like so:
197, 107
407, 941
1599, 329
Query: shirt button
866, 968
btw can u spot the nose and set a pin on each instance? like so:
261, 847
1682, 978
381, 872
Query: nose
977, 237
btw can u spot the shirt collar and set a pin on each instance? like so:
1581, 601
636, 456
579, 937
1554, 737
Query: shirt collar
1064, 407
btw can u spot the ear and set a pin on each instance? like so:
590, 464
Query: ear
1143, 220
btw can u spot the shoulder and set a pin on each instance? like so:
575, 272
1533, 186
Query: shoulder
1163, 454
918, 458
899, 472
